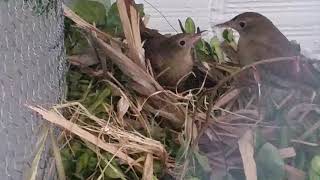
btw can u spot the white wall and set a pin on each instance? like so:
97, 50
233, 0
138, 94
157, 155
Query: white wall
297, 19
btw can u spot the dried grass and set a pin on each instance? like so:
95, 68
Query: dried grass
221, 121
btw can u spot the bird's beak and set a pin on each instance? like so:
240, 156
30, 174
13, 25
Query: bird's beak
227, 24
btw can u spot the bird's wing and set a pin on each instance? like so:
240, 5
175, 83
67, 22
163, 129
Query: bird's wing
255, 50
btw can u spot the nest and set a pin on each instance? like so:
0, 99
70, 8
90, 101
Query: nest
218, 129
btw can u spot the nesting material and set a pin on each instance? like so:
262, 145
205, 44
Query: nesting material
220, 123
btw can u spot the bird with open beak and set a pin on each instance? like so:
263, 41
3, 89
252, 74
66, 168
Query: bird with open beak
171, 57
260, 39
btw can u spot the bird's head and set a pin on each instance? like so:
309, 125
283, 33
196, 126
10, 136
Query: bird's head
248, 22
181, 42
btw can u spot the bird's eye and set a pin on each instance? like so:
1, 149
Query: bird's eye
182, 43
242, 24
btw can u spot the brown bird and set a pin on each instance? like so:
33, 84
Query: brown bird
171, 57
260, 39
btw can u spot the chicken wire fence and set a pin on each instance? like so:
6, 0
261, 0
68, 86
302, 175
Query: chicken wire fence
31, 72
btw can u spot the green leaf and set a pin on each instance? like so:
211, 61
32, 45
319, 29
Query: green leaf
203, 50
92, 163
203, 161
100, 99
74, 76
225, 34
113, 22
200, 45
270, 165
228, 35
315, 164
203, 56
82, 162
106, 3
215, 45
91, 11
157, 167
77, 148
190, 27
313, 175
259, 140
208, 49
112, 170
